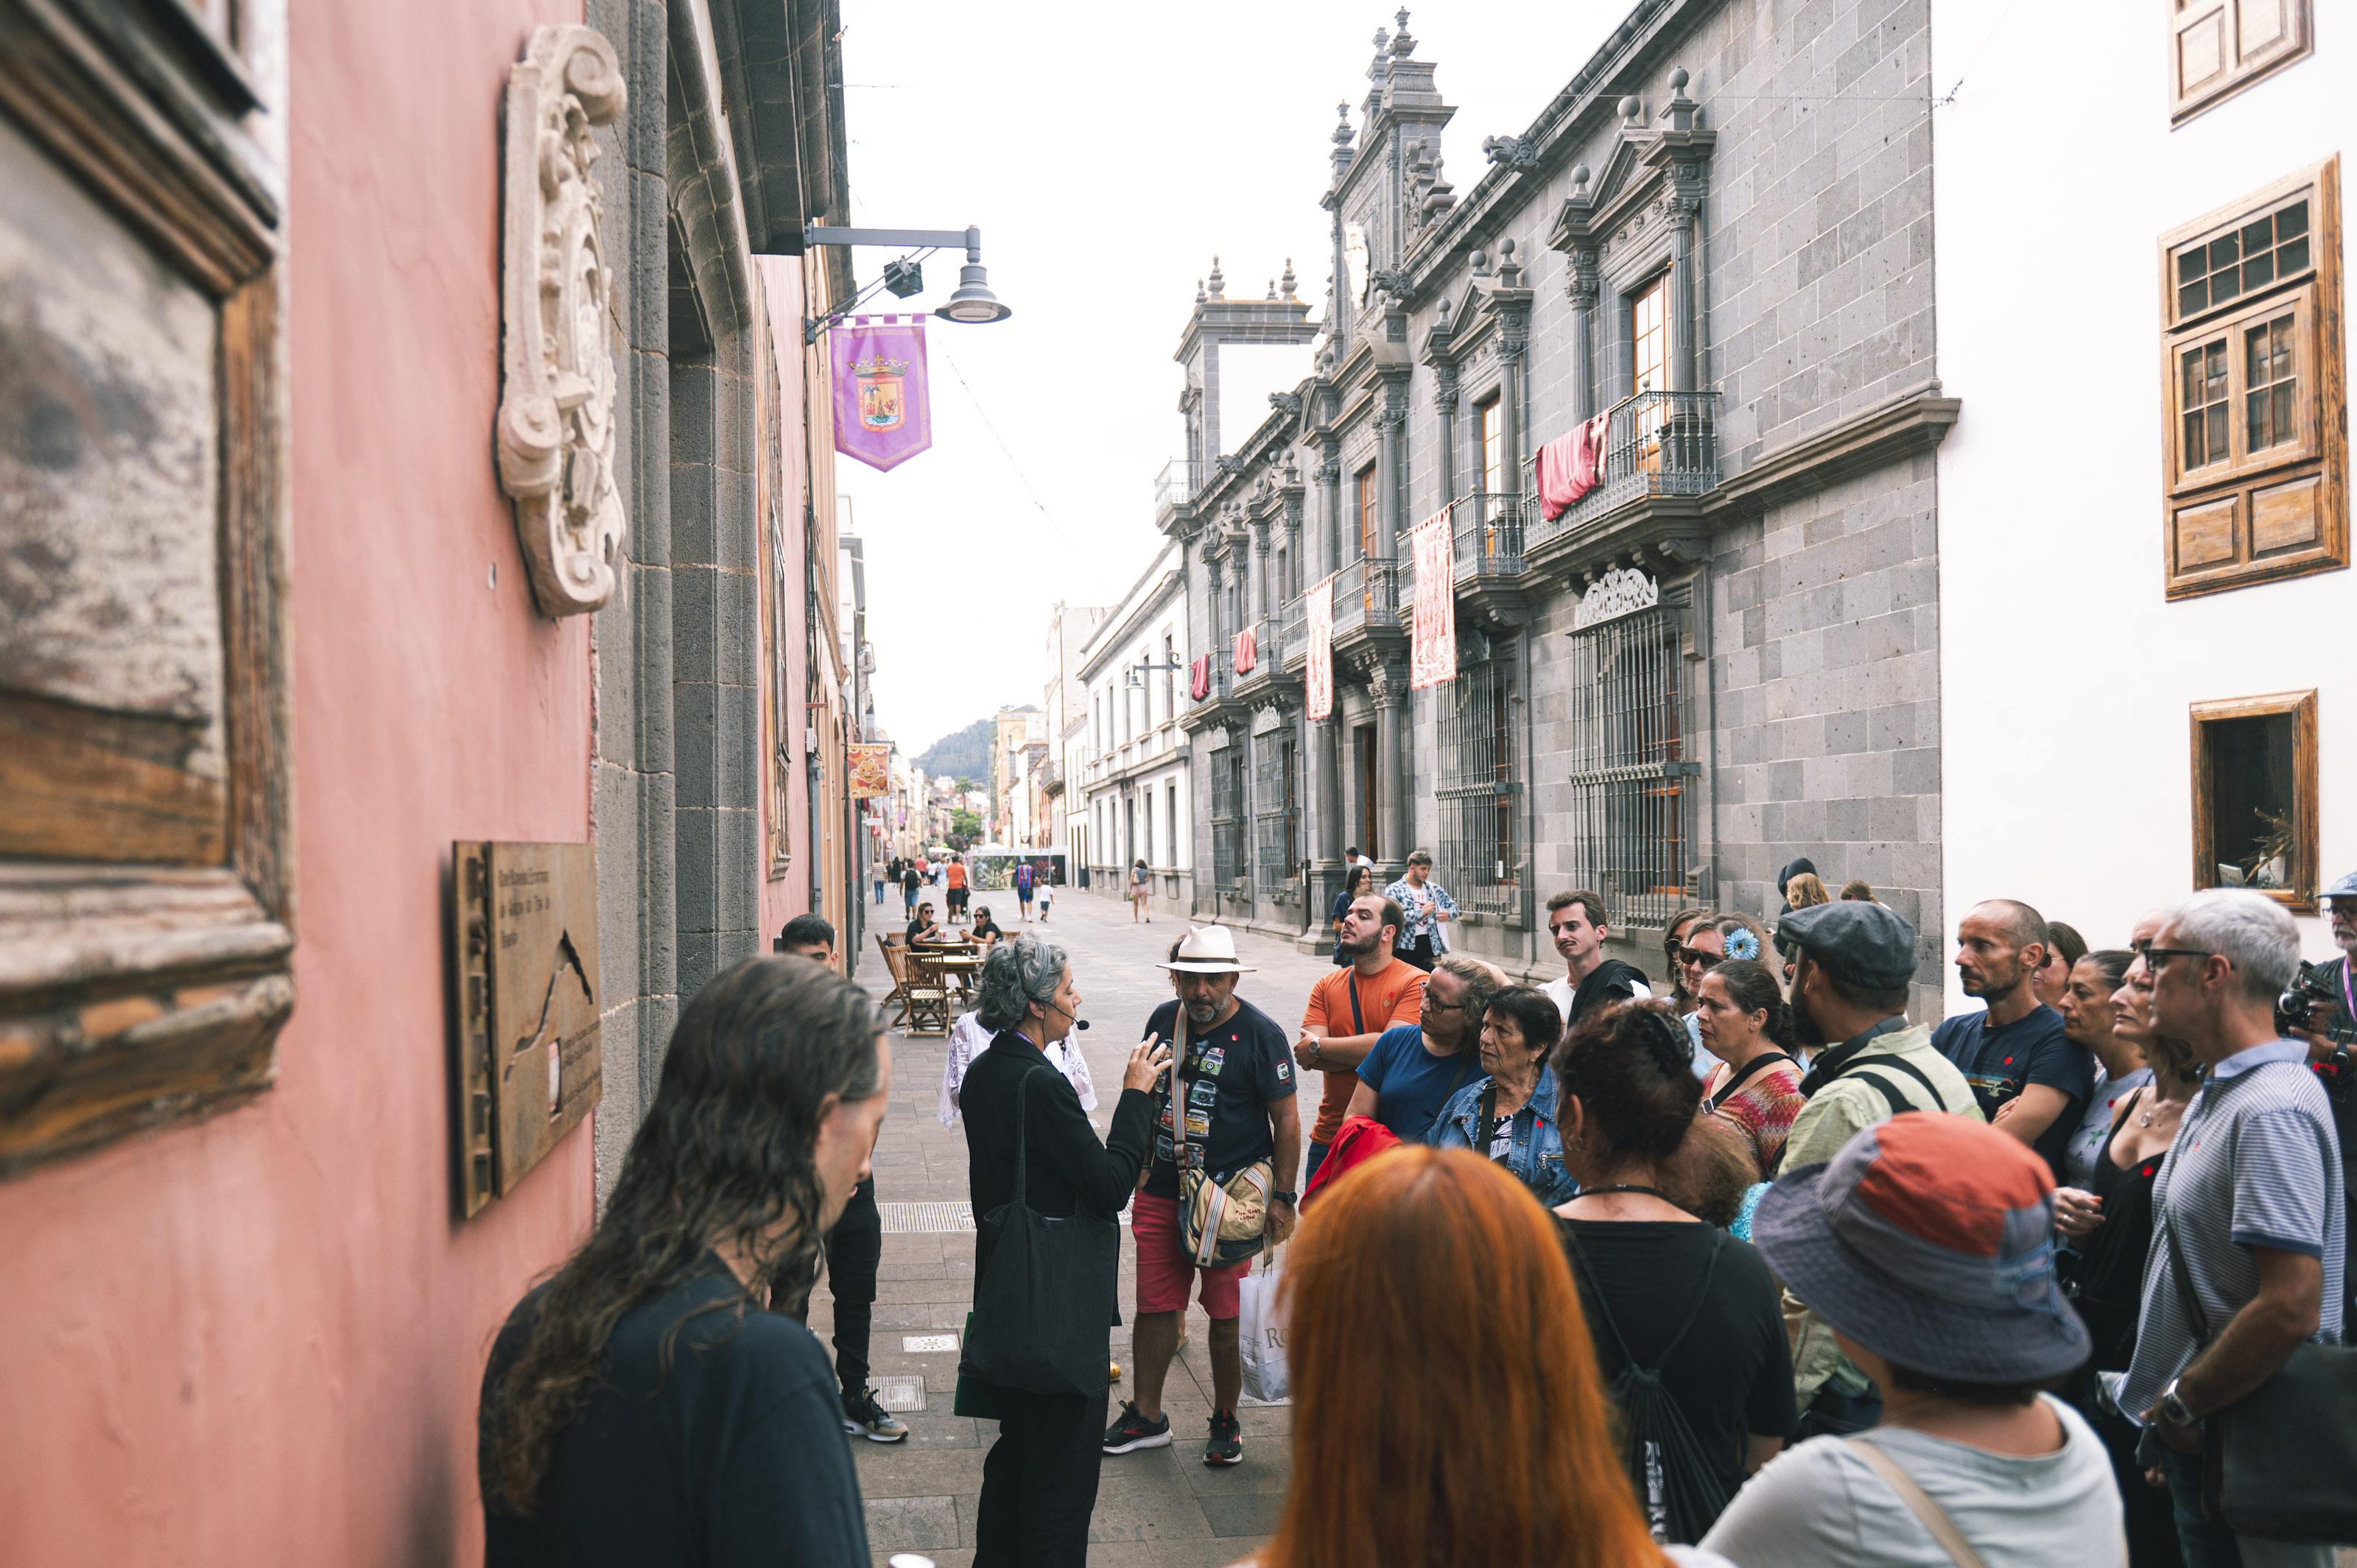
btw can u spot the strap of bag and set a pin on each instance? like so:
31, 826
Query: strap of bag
1488, 1122
1755, 1065
2186, 1297
1919, 1503
1694, 1309
1351, 979
1176, 1097
1022, 1165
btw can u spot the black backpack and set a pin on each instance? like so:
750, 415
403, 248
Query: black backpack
1681, 1491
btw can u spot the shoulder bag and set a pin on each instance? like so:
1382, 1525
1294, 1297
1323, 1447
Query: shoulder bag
1044, 1308
1220, 1222
2277, 1462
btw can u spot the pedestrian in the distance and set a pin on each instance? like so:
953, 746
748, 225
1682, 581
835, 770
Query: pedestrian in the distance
1141, 885
1025, 879
911, 886
1044, 895
1429, 909
642, 1406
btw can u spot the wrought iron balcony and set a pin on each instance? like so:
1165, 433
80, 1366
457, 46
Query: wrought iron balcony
1366, 594
1177, 482
1487, 531
1657, 444
1292, 630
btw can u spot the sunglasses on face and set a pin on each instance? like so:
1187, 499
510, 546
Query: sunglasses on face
1704, 956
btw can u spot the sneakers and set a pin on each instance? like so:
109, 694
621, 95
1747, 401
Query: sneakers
1227, 1443
863, 1412
1134, 1431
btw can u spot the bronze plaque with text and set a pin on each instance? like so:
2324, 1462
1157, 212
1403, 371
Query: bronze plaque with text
526, 927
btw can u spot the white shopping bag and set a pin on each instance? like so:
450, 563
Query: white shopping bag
1261, 1338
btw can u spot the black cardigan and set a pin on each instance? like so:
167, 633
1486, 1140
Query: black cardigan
1069, 1166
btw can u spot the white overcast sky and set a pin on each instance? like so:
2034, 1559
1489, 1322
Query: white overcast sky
1108, 153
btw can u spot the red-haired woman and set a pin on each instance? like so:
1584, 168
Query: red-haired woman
1446, 1407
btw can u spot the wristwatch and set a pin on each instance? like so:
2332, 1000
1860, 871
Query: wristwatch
1290, 1199
2175, 1408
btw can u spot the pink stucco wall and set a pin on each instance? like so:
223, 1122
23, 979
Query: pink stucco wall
258, 1341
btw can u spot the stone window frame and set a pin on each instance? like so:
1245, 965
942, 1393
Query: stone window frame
2296, 43
2301, 896
137, 996
1624, 278
2216, 509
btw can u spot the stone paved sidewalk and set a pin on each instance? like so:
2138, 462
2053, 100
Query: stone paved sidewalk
1161, 1507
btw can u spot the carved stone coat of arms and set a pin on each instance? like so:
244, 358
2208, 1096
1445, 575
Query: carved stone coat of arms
555, 430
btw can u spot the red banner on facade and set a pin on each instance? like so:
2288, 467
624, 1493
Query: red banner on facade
1198, 678
1432, 631
871, 771
1247, 652
883, 415
1320, 672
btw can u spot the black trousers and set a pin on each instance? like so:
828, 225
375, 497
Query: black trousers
854, 1249
1418, 953
1039, 1481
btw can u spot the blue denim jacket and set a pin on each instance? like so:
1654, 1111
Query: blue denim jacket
1536, 1158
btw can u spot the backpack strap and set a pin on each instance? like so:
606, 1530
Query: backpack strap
1694, 1308
1919, 1503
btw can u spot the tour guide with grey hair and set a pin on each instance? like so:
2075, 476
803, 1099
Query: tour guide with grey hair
1039, 1480
2250, 1192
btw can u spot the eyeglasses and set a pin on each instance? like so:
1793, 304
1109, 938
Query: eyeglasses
1443, 1006
2155, 958
1704, 956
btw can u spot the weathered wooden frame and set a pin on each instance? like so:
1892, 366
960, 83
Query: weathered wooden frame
135, 996
2324, 449
2298, 44
2307, 797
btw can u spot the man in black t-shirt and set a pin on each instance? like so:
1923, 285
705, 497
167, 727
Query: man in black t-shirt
1226, 1103
2331, 1036
2030, 1078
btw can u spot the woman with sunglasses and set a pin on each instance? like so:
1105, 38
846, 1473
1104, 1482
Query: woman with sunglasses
1674, 941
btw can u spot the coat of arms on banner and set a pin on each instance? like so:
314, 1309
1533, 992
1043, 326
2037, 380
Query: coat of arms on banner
882, 401
871, 771
1432, 632
881, 413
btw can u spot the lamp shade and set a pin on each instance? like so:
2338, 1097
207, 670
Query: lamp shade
974, 303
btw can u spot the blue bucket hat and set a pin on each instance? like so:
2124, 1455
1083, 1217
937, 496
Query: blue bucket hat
1929, 1240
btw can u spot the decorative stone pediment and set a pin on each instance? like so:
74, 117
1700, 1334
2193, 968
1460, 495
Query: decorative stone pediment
555, 427
1617, 593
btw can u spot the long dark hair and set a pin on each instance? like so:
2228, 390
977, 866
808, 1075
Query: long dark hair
726, 1152
1633, 1072
1753, 987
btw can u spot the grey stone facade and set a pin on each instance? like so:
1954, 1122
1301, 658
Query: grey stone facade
677, 775
1761, 560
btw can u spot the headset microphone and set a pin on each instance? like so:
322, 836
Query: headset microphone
1080, 1023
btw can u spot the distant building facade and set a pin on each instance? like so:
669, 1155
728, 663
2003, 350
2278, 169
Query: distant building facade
1725, 654
1135, 775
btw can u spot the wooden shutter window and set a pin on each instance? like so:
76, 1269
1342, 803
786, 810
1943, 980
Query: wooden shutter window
2256, 465
1366, 483
2221, 47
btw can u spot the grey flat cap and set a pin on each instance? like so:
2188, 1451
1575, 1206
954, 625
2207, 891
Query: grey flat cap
1865, 944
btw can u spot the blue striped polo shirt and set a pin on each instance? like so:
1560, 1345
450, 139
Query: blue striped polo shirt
2256, 1164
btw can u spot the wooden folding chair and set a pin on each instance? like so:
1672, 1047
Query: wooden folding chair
896, 960
928, 1010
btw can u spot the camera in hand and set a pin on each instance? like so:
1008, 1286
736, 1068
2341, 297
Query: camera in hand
2313, 987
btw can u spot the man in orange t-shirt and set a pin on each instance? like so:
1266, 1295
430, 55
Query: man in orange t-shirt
1350, 1009
953, 876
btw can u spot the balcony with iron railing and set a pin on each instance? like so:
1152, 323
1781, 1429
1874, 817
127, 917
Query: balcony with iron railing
1293, 631
1656, 444
1177, 484
1487, 532
1366, 596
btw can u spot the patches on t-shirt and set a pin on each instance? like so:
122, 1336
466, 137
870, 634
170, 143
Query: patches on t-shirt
1284, 1070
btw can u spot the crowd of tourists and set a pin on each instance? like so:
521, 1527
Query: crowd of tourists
1735, 1264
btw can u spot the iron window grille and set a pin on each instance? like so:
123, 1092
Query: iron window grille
1277, 812
1628, 831
1481, 792
1227, 819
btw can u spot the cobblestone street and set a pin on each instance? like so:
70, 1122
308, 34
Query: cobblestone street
1159, 1506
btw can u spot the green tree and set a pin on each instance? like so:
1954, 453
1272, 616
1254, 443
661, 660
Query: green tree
965, 829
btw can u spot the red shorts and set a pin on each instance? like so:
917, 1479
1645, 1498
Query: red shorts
1163, 1269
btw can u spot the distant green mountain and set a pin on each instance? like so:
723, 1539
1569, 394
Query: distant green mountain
964, 754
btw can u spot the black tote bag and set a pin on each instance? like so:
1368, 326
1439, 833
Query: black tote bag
2277, 1462
1043, 1310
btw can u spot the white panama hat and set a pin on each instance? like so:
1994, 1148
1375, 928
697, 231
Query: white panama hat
1206, 949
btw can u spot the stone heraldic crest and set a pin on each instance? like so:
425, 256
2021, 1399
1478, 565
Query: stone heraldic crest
555, 429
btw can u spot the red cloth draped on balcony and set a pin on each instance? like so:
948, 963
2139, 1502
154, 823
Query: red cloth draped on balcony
1568, 466
1199, 679
1247, 652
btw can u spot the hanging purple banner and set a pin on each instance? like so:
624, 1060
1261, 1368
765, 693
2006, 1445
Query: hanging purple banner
882, 415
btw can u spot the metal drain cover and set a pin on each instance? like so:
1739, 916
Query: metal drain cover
927, 1344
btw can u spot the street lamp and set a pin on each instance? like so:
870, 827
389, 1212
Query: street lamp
1137, 673
972, 302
